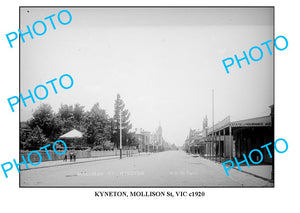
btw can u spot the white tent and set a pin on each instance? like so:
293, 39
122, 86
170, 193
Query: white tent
72, 134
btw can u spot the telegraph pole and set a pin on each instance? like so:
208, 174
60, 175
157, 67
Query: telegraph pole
213, 123
120, 134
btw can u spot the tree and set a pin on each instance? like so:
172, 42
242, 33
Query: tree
98, 126
78, 113
65, 116
44, 118
126, 126
35, 139
132, 141
71, 117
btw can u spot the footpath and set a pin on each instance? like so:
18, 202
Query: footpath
259, 171
51, 163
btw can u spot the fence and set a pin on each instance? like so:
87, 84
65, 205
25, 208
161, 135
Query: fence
79, 154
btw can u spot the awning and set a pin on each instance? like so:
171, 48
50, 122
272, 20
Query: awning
253, 122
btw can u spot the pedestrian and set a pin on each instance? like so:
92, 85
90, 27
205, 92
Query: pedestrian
65, 158
71, 156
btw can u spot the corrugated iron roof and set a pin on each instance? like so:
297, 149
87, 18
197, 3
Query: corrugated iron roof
72, 134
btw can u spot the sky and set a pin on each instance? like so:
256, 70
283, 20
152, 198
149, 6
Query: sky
164, 62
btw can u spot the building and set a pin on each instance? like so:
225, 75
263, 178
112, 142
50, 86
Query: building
150, 142
143, 139
229, 139
192, 142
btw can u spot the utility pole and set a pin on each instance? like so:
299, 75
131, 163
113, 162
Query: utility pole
213, 133
120, 134
219, 134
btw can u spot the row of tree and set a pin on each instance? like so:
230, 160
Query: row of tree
99, 129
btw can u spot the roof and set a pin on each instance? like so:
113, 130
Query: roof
72, 134
220, 125
263, 121
253, 122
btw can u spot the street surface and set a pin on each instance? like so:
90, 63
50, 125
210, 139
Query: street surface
170, 168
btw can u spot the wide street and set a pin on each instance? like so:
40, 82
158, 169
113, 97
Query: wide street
170, 168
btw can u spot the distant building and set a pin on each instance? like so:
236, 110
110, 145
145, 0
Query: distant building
151, 142
143, 139
205, 122
192, 142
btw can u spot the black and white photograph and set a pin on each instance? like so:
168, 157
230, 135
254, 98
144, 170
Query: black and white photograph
147, 97
149, 106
